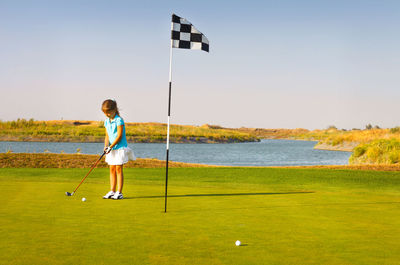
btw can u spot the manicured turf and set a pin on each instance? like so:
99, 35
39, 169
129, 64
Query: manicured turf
281, 216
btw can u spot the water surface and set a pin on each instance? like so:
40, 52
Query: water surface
264, 153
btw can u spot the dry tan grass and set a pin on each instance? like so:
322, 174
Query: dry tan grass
69, 122
48, 160
275, 133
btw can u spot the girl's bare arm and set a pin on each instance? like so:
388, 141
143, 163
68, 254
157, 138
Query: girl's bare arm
106, 141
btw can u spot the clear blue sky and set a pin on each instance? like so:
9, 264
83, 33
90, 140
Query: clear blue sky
272, 64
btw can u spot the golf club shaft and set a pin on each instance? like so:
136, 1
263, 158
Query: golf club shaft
95, 164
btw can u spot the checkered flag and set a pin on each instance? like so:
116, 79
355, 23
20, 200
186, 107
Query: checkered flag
185, 36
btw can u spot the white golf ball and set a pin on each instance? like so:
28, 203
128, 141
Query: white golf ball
238, 243
83, 199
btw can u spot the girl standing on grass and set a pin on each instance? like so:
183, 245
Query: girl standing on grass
116, 148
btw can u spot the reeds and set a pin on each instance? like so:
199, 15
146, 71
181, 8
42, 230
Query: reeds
93, 131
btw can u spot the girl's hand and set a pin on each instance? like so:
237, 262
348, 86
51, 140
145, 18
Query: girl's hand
107, 149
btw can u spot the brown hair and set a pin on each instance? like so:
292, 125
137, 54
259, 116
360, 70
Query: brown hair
110, 104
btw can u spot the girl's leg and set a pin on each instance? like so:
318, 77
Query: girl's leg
113, 177
120, 177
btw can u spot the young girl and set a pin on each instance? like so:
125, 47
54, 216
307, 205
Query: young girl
116, 148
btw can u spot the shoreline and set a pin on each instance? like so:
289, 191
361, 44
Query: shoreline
100, 139
347, 147
343, 147
54, 160
93, 131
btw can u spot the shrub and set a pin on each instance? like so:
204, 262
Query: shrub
373, 153
336, 141
368, 126
394, 157
395, 129
381, 151
359, 150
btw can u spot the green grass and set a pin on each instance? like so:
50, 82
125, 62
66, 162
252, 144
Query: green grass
282, 216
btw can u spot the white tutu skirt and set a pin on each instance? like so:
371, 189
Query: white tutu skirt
120, 156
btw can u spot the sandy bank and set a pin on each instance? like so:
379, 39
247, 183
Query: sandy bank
49, 160
345, 146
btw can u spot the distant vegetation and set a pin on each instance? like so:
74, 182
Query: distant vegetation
380, 151
92, 131
335, 136
372, 145
294, 134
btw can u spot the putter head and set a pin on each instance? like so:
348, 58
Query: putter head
69, 194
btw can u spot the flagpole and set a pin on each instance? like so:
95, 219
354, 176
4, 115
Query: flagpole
169, 117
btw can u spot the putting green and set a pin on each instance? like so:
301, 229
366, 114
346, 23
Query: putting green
281, 216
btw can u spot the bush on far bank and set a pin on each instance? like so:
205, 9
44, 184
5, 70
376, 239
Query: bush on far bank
380, 151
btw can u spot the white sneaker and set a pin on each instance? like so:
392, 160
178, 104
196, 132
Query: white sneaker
109, 195
117, 196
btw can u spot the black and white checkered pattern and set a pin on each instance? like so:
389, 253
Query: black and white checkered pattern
185, 36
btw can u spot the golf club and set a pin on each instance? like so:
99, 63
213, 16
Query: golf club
94, 165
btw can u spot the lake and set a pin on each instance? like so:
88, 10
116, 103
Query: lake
264, 153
